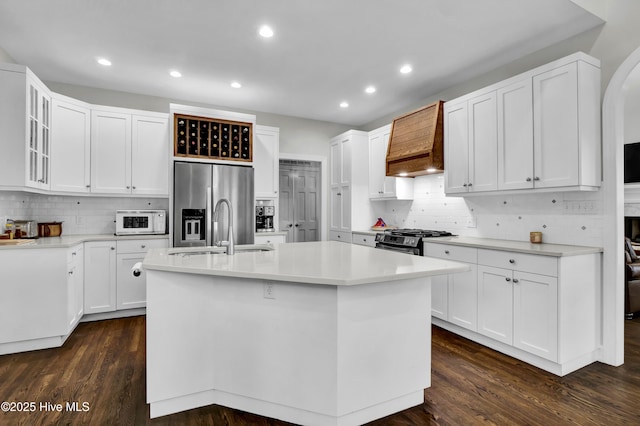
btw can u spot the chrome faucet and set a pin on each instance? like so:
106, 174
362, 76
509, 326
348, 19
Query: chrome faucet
216, 211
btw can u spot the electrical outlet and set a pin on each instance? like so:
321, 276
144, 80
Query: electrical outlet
269, 290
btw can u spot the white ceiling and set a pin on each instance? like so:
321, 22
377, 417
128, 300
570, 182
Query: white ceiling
323, 52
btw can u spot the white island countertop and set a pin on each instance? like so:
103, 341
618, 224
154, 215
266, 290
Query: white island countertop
320, 262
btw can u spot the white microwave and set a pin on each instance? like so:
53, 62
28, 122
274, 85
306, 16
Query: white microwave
136, 222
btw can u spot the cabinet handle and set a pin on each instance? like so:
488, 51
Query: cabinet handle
516, 281
512, 261
508, 279
528, 179
446, 252
470, 184
536, 178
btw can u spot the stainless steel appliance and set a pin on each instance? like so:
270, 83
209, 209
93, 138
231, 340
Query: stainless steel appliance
407, 240
26, 229
197, 189
140, 222
264, 218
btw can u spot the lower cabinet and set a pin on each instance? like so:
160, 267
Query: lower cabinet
544, 310
363, 239
342, 236
267, 238
454, 297
109, 283
75, 285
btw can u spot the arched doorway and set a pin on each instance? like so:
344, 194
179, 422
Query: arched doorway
613, 194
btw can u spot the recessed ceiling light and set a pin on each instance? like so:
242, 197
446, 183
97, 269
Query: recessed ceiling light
344, 104
370, 89
266, 31
104, 61
236, 85
175, 74
406, 69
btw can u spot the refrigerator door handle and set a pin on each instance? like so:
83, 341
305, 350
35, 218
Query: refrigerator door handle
208, 219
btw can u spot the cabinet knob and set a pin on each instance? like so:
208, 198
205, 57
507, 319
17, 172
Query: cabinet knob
339, 236
113, 248
536, 178
297, 225
143, 246
464, 184
73, 254
470, 184
275, 192
128, 187
339, 193
528, 179
516, 281
446, 252
512, 261
133, 187
508, 279
70, 272
290, 225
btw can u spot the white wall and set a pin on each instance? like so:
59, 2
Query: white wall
80, 215
563, 218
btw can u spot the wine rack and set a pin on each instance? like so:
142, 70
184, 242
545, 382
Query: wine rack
211, 138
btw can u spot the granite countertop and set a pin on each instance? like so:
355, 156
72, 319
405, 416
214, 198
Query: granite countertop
318, 262
65, 241
543, 249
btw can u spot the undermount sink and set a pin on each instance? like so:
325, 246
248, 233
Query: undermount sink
199, 251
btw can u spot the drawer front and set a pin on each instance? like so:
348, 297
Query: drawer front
140, 246
451, 252
363, 239
73, 253
535, 264
269, 239
344, 237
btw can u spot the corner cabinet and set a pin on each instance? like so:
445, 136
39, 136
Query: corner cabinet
382, 187
266, 159
349, 185
129, 152
25, 120
538, 130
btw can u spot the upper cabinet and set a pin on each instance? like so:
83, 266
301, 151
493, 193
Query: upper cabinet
266, 161
25, 120
129, 152
70, 145
382, 187
538, 130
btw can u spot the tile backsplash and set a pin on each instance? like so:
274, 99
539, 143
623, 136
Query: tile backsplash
562, 217
80, 215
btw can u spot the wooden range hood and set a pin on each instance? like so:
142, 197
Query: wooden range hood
416, 143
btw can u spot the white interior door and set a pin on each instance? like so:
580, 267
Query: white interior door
299, 201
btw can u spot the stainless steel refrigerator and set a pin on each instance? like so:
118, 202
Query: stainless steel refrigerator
196, 190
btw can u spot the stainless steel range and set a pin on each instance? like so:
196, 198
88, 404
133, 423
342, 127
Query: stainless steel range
407, 240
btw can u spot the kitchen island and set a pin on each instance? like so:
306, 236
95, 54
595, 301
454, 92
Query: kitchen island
322, 333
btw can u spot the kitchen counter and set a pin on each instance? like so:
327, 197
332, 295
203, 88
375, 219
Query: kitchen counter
544, 249
323, 333
319, 262
66, 241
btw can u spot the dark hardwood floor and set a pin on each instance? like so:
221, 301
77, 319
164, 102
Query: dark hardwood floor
103, 364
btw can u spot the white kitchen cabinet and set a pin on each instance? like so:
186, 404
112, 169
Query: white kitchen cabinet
100, 277
130, 290
515, 135
516, 307
456, 297
25, 120
129, 152
269, 238
381, 186
266, 161
548, 131
363, 239
349, 180
75, 286
70, 145
477, 139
